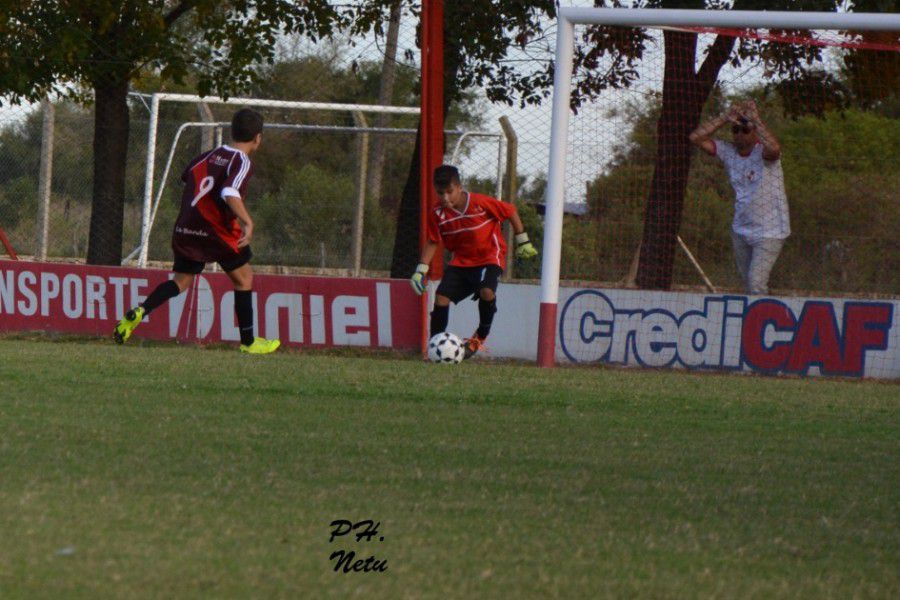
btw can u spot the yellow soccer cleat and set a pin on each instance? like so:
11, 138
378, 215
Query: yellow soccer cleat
261, 346
128, 324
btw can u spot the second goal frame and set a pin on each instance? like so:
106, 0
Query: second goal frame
155, 100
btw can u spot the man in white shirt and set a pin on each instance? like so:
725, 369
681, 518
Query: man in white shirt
761, 222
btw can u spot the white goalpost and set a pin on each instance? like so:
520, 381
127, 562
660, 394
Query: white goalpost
568, 18
157, 98
153, 196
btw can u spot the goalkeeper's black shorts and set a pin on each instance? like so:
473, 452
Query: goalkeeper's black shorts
459, 283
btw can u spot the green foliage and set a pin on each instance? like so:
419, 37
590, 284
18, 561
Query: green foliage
17, 200
378, 239
607, 57
311, 205
20, 148
50, 46
320, 78
483, 33
72, 48
534, 226
283, 153
841, 180
478, 38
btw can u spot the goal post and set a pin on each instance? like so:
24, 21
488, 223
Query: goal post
154, 108
568, 19
468, 145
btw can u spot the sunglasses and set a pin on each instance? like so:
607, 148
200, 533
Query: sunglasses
745, 129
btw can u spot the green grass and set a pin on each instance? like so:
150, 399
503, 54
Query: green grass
167, 472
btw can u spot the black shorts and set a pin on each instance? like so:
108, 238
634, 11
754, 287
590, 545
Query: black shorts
195, 267
461, 282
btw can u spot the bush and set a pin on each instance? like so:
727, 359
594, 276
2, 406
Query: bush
841, 180
306, 222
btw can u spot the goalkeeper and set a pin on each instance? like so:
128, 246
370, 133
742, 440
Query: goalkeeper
469, 226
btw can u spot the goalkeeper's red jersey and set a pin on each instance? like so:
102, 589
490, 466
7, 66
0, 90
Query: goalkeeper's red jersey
473, 234
206, 229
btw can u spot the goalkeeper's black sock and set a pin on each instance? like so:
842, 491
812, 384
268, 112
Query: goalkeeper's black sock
243, 308
486, 312
160, 295
439, 317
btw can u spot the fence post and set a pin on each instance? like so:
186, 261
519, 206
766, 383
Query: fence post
385, 96
510, 187
207, 136
44, 179
359, 214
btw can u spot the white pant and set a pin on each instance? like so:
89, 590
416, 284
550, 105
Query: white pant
755, 261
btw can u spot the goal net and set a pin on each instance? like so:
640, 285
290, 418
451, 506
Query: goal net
721, 158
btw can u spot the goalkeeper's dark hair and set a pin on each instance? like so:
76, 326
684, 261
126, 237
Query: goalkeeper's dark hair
444, 175
246, 125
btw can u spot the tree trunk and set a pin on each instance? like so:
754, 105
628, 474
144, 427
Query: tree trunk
385, 97
406, 239
684, 95
110, 149
680, 114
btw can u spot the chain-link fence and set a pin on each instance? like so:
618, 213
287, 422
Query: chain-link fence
830, 99
328, 184
316, 168
46, 179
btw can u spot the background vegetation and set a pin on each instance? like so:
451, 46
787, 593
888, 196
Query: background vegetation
840, 165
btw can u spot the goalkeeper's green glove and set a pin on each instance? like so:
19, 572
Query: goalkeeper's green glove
524, 249
417, 281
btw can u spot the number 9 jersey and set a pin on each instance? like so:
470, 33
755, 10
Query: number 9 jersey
206, 229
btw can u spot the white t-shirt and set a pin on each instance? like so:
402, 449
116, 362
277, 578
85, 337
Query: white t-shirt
760, 203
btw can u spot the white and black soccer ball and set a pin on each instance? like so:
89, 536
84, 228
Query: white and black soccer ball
445, 348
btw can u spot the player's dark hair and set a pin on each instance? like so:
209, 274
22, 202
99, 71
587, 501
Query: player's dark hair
444, 175
245, 125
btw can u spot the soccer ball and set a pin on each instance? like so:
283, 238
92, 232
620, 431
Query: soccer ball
445, 348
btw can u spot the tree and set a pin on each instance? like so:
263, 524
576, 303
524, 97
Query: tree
837, 173
94, 50
685, 92
324, 75
385, 96
477, 38
479, 35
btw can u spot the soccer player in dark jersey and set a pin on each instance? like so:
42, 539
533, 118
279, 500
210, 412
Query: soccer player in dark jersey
469, 226
214, 226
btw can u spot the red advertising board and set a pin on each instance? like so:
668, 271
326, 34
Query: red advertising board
298, 310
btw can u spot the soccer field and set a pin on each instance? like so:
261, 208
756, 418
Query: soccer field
165, 471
